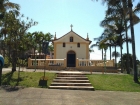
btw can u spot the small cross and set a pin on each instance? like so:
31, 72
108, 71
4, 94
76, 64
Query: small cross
71, 26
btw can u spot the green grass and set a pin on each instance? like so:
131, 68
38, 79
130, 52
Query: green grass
109, 82
27, 79
114, 82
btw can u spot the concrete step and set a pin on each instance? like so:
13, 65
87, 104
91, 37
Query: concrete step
70, 84
72, 78
72, 87
62, 75
70, 74
71, 81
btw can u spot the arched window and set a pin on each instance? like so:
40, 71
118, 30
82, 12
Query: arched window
71, 39
63, 44
78, 44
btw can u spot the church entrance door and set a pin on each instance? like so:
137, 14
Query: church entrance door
71, 59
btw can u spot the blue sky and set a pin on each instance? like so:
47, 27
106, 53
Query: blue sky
85, 16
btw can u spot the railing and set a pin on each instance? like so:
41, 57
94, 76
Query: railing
39, 63
87, 62
55, 62
96, 65
45, 63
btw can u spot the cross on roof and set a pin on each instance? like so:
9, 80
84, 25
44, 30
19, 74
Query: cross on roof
71, 26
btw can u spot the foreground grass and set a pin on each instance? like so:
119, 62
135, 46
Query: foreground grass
114, 82
27, 79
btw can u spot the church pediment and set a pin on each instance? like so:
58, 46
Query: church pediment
75, 36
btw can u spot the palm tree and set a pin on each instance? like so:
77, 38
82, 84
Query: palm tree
129, 3
48, 37
110, 40
108, 32
6, 6
37, 37
103, 46
97, 44
133, 41
114, 27
125, 57
115, 54
121, 9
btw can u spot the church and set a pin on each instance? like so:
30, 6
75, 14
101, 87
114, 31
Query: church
71, 50
70, 47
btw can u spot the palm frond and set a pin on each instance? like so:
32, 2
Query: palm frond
137, 8
93, 45
117, 54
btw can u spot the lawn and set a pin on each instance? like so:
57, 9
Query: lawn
112, 82
27, 79
109, 82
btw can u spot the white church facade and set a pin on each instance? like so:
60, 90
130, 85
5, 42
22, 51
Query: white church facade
70, 47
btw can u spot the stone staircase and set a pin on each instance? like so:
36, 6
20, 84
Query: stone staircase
71, 80
70, 69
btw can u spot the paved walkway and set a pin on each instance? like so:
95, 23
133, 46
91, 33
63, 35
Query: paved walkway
40, 96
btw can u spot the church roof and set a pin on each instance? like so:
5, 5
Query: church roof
74, 33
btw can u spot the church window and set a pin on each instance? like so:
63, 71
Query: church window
78, 44
71, 39
63, 44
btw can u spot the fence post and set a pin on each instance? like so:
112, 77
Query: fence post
95, 63
77, 61
29, 62
39, 63
64, 62
113, 63
46, 64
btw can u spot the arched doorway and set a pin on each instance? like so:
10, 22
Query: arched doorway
71, 59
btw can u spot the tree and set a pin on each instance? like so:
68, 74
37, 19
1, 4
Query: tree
121, 9
133, 41
6, 6
129, 4
126, 57
97, 45
51, 49
48, 37
15, 35
117, 54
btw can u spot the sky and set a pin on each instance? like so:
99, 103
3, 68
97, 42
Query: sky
85, 16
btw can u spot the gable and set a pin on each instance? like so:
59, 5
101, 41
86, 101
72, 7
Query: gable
76, 38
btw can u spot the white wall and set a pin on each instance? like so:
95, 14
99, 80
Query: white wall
61, 52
